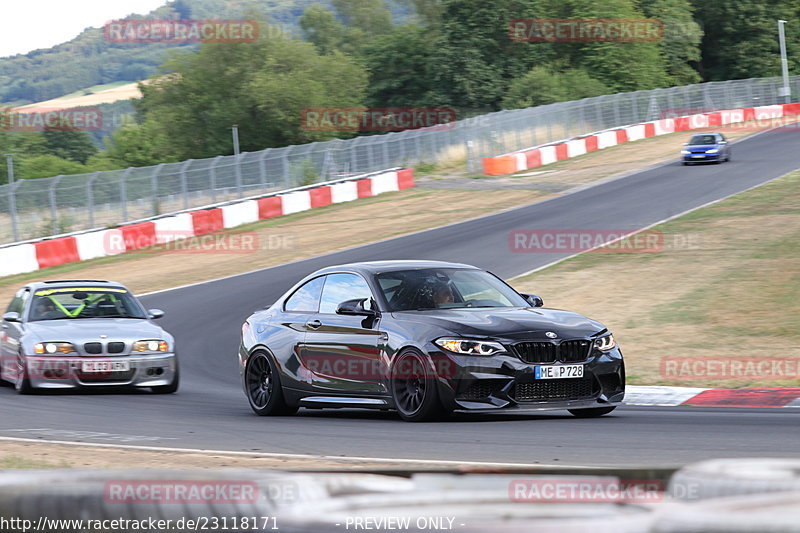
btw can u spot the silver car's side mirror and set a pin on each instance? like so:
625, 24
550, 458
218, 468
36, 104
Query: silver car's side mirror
155, 314
12, 316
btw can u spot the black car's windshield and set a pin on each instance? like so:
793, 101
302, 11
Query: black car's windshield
703, 139
445, 288
82, 302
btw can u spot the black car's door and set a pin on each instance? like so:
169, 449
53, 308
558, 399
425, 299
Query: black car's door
343, 352
288, 343
11, 336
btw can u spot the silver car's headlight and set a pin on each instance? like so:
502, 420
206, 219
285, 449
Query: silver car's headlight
50, 348
606, 343
152, 346
469, 346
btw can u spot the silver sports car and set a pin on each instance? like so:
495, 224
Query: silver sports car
84, 333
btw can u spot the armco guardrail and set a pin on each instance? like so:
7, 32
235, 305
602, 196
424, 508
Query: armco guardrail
30, 256
543, 155
48, 206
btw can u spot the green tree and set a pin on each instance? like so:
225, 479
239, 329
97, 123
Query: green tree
262, 87
321, 28
741, 37
45, 166
401, 69
71, 144
475, 59
682, 37
544, 85
349, 28
622, 66
138, 145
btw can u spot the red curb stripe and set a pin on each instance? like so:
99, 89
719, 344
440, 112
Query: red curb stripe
207, 221
136, 236
320, 197
56, 252
745, 397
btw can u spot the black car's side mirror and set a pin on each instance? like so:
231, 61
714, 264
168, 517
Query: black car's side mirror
12, 316
155, 314
535, 301
355, 308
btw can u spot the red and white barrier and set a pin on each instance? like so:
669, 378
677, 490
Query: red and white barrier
544, 155
28, 257
18, 259
295, 202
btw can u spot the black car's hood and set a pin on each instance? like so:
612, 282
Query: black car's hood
506, 322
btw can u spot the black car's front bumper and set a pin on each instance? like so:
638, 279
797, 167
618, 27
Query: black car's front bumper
507, 382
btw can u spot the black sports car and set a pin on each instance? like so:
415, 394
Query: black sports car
424, 338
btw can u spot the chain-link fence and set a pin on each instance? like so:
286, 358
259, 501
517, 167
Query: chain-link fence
50, 206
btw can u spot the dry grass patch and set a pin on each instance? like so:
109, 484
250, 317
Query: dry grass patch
734, 291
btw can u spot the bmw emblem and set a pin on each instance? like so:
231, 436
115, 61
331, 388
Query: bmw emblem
551, 335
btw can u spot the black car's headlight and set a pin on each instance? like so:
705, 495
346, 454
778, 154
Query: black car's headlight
605, 343
469, 346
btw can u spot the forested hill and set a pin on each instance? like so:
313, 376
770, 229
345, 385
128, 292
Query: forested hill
89, 59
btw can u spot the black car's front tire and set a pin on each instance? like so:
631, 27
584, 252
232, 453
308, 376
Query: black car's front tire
263, 387
592, 412
414, 388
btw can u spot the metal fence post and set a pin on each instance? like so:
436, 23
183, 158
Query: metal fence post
184, 185
213, 177
12, 204
90, 197
262, 168
154, 188
123, 193
238, 172
53, 208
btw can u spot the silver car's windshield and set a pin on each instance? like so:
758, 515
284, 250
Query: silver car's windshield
82, 302
445, 288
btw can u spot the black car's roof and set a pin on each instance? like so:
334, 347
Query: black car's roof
375, 267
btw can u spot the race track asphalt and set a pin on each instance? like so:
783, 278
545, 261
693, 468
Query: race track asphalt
211, 412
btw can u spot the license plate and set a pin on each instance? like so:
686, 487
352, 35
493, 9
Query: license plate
698, 156
558, 371
106, 366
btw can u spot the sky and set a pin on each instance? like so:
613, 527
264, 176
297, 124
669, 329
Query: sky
30, 24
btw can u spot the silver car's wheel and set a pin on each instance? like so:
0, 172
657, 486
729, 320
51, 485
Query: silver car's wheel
263, 387
23, 382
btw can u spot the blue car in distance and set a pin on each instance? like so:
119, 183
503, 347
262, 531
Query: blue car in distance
703, 147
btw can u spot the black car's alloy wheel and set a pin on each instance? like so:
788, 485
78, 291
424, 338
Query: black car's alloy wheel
263, 386
414, 389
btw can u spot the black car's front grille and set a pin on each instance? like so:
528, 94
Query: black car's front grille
477, 391
116, 347
93, 348
574, 351
536, 352
549, 352
555, 389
